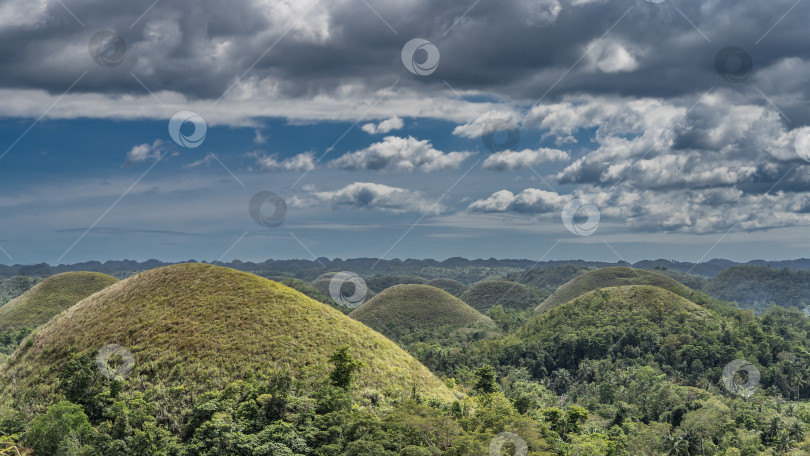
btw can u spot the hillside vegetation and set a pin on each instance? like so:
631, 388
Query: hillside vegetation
613, 277
15, 286
321, 285
454, 287
510, 295
548, 279
757, 287
50, 297
226, 363
202, 327
411, 307
383, 282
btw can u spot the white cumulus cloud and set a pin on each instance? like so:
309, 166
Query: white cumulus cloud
143, 152
368, 195
401, 154
529, 201
298, 163
387, 125
508, 160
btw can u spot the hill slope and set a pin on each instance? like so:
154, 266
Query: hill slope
638, 322
758, 286
510, 295
414, 307
614, 277
321, 284
548, 279
50, 297
383, 282
201, 327
454, 287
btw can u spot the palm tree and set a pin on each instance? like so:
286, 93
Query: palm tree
773, 429
785, 442
563, 379
796, 431
676, 445
694, 442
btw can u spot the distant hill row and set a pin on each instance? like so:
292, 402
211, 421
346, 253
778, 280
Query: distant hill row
430, 269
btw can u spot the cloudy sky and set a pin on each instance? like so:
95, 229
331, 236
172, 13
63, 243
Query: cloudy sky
539, 129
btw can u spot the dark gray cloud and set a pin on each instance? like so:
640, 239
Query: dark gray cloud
514, 49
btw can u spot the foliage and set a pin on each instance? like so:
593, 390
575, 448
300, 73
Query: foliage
548, 279
510, 295
230, 364
758, 287
614, 277
195, 327
345, 368
412, 308
454, 287
50, 297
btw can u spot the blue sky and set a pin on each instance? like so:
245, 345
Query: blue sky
620, 106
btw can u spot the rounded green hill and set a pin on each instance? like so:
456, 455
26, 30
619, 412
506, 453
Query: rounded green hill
454, 287
614, 277
413, 307
321, 284
50, 297
631, 321
200, 327
383, 282
511, 295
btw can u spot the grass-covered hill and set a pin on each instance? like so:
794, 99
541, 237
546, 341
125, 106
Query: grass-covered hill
304, 287
201, 327
600, 320
412, 307
548, 279
511, 295
49, 298
614, 277
454, 287
383, 282
759, 286
321, 284
693, 281
15, 286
